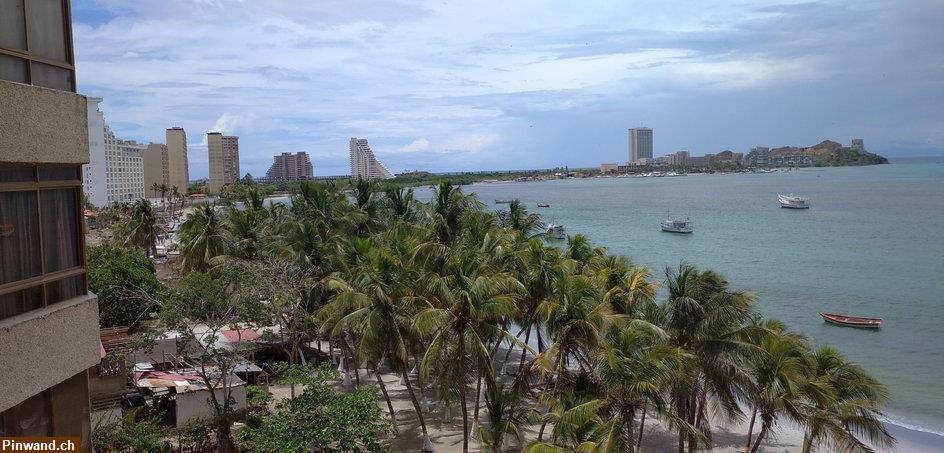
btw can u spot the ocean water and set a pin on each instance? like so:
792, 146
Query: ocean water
871, 245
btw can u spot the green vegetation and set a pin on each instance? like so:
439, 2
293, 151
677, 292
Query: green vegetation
319, 417
125, 284
130, 434
395, 284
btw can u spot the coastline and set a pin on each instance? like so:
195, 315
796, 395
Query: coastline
445, 426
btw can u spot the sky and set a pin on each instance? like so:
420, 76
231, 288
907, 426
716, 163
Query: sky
486, 85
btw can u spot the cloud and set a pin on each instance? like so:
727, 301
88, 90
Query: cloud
420, 144
468, 79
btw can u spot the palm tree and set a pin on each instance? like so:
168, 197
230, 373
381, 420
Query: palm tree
778, 380
155, 188
448, 205
202, 238
142, 229
577, 424
400, 203
519, 220
376, 301
163, 190
508, 414
469, 300
634, 365
572, 320
706, 320
847, 408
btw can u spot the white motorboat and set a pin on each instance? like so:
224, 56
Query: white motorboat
555, 231
678, 225
793, 202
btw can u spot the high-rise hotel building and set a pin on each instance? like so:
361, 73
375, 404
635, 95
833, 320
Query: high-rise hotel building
640, 144
291, 167
48, 320
177, 164
115, 172
364, 165
223, 151
156, 169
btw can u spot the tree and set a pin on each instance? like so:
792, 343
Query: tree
125, 283
470, 300
199, 308
519, 220
706, 320
508, 415
202, 238
129, 434
141, 228
376, 302
634, 365
320, 419
847, 407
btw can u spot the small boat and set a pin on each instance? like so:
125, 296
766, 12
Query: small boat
852, 321
793, 202
543, 205
500, 201
677, 225
555, 231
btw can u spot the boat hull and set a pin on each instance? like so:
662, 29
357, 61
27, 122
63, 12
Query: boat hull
852, 321
677, 230
790, 206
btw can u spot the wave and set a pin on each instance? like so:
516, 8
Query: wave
910, 425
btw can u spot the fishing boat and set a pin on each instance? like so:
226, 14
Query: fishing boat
793, 202
500, 201
555, 231
677, 225
852, 321
543, 205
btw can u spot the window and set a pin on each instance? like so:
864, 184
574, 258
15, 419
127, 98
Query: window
30, 418
41, 237
36, 43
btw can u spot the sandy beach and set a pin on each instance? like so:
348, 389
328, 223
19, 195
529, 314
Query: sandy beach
445, 426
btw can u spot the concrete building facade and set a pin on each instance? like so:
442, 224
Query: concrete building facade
223, 153
364, 165
177, 163
48, 319
156, 169
115, 172
291, 167
640, 144
858, 144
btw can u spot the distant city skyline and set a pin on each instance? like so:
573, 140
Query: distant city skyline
451, 87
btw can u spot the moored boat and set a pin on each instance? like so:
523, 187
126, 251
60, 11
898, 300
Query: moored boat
793, 202
543, 205
678, 225
500, 201
852, 321
555, 231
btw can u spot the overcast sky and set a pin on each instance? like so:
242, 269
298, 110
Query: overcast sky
475, 85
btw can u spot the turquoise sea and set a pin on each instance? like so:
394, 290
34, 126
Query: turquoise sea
871, 245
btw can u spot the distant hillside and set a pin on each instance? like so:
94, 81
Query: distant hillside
832, 154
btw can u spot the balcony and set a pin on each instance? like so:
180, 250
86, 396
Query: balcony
42, 125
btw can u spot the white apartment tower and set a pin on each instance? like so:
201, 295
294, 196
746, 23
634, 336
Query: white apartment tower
115, 172
291, 167
640, 144
223, 151
363, 163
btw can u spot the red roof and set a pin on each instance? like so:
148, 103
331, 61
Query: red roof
235, 336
